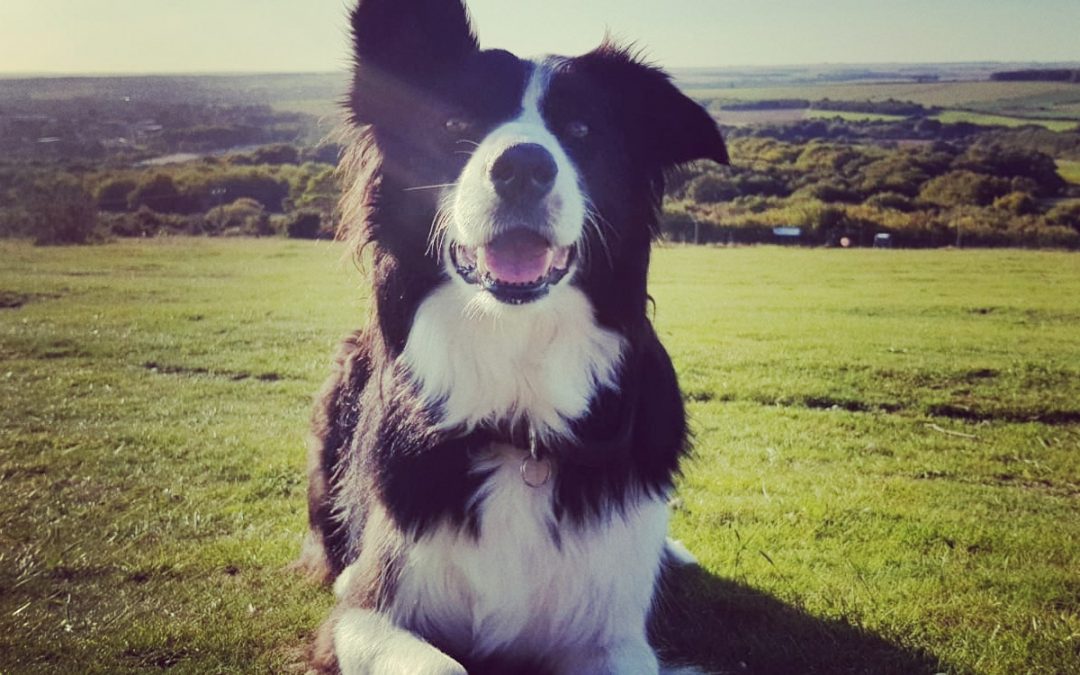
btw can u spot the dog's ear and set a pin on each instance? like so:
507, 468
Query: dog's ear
684, 131
401, 46
675, 128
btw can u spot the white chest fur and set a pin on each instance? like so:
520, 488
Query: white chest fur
481, 362
516, 588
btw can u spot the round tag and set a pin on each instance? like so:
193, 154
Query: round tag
535, 472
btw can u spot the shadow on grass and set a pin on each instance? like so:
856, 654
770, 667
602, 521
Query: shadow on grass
726, 627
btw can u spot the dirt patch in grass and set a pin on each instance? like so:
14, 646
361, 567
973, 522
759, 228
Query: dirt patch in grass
1040, 485
45, 350
952, 411
160, 657
827, 402
15, 300
1015, 416
233, 375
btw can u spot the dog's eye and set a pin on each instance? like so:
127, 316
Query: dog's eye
577, 129
457, 125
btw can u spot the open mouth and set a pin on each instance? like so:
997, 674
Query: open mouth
517, 266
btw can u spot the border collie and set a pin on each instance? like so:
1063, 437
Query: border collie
494, 452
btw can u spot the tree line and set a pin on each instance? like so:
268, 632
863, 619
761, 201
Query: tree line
886, 107
1038, 75
264, 192
994, 191
834, 180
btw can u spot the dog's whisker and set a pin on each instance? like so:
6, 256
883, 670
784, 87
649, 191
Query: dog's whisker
597, 222
429, 187
437, 232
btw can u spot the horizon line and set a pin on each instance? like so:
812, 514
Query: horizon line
50, 74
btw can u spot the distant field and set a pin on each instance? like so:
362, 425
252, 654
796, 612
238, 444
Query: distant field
738, 118
1052, 105
887, 476
1070, 171
943, 94
954, 116
324, 109
852, 116
787, 115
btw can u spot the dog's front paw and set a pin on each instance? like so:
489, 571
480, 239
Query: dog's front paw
363, 642
434, 662
452, 668
429, 662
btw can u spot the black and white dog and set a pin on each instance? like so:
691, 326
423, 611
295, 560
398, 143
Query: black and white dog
494, 453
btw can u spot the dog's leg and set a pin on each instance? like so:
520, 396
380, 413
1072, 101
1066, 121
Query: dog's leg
681, 670
677, 555
368, 643
333, 423
627, 657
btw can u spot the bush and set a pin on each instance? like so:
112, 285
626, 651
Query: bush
304, 225
710, 188
114, 194
891, 200
898, 173
148, 223
280, 153
829, 192
245, 216
321, 191
676, 223
61, 211
1005, 162
235, 183
963, 188
1065, 214
158, 192
15, 222
758, 183
1017, 203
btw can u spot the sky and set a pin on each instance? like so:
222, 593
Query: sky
191, 36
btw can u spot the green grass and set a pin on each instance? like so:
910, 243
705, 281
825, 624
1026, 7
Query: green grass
954, 116
1069, 170
887, 476
943, 94
1051, 104
853, 116
320, 108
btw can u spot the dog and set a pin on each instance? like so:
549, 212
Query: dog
493, 455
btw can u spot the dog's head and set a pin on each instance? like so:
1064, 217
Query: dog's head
522, 175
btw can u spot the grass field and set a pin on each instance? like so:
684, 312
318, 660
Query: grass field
1055, 106
940, 94
852, 116
1070, 171
954, 116
788, 115
887, 475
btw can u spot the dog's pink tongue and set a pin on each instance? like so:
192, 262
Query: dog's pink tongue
517, 257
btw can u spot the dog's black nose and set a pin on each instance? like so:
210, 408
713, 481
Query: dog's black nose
524, 173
